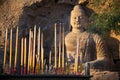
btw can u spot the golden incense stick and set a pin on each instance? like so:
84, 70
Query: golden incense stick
42, 59
29, 51
5, 51
34, 44
55, 44
59, 47
31, 54
22, 52
22, 55
42, 52
63, 48
38, 53
38, 41
16, 48
50, 58
10, 61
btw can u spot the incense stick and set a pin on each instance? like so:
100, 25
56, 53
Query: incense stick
55, 44
38, 50
10, 61
59, 65
42, 52
50, 60
29, 52
34, 40
25, 55
16, 50
21, 55
31, 55
38, 53
5, 51
63, 48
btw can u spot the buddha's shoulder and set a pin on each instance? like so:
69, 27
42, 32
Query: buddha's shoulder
92, 34
71, 34
85, 33
97, 36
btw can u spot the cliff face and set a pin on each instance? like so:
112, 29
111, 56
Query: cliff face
42, 13
26, 14
10, 13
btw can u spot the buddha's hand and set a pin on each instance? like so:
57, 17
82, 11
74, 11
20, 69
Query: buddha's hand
98, 64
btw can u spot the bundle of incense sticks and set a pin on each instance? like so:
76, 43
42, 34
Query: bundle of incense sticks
36, 62
60, 58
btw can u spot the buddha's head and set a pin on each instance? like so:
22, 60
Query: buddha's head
77, 17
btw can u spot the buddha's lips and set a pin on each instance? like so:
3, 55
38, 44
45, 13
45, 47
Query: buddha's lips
77, 23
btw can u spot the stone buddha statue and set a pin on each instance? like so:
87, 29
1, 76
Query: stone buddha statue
91, 46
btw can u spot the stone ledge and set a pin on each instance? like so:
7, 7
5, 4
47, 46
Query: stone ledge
105, 75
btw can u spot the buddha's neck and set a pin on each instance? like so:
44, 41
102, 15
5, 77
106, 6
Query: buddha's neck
74, 30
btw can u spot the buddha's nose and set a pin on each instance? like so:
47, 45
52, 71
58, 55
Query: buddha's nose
77, 19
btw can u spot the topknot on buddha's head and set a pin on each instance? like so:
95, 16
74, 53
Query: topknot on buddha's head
77, 9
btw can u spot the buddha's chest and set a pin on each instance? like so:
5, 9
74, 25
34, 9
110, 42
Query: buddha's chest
73, 40
81, 45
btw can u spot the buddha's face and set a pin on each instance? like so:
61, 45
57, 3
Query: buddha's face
76, 20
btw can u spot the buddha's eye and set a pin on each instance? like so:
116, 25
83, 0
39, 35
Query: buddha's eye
80, 17
74, 18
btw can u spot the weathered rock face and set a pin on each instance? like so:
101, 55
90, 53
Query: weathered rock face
105, 75
10, 12
26, 14
43, 13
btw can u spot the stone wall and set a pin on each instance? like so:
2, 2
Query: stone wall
105, 75
27, 13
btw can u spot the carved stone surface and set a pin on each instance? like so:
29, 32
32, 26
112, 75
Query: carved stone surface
91, 46
105, 75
